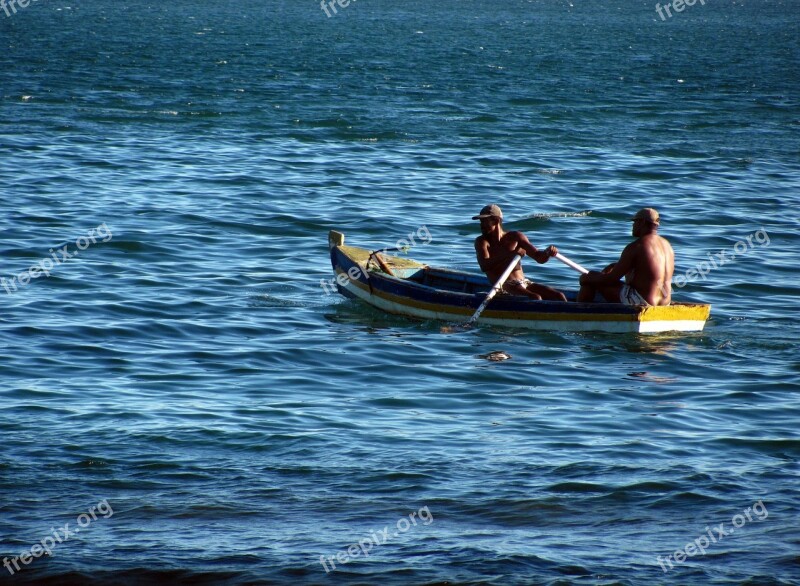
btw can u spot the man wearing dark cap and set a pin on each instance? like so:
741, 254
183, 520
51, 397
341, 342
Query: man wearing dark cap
647, 264
495, 248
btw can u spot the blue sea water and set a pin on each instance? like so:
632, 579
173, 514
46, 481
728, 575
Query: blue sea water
182, 371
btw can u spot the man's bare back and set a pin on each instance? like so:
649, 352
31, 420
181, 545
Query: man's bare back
647, 264
653, 265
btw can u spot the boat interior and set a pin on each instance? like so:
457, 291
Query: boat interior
454, 281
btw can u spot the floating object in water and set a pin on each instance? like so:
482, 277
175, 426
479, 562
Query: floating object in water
496, 356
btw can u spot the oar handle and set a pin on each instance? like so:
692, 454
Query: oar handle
497, 286
571, 264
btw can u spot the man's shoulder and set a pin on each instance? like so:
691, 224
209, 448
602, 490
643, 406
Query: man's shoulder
650, 239
663, 240
635, 245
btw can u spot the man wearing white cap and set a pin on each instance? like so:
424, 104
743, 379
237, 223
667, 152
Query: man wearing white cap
647, 264
495, 248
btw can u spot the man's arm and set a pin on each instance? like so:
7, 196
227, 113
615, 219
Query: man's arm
622, 267
540, 256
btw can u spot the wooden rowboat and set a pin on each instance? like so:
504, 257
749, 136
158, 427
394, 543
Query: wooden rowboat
406, 287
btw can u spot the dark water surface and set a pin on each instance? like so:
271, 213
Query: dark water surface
182, 371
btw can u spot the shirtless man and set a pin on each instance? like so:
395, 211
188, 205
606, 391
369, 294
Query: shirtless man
495, 248
647, 264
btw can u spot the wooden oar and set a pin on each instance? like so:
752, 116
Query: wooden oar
381, 263
502, 280
571, 264
497, 286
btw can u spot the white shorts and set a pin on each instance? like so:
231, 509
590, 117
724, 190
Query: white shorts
521, 282
630, 296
